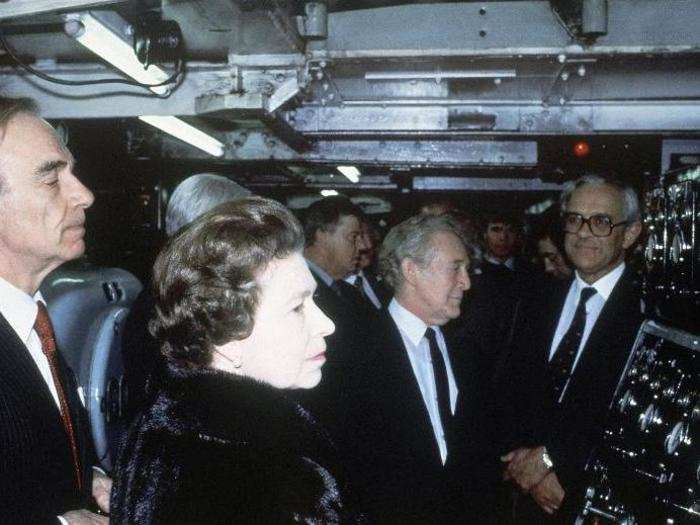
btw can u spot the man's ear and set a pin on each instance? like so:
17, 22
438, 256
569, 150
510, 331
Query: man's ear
409, 269
631, 234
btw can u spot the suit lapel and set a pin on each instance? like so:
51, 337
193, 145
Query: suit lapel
602, 351
409, 403
15, 359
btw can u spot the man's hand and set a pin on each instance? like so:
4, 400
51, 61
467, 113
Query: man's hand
525, 467
101, 488
548, 493
84, 517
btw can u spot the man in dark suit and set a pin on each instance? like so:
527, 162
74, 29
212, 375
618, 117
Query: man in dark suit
564, 381
406, 407
333, 243
364, 278
46, 461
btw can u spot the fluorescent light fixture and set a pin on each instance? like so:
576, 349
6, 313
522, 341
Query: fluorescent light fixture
329, 193
462, 74
109, 41
351, 172
185, 132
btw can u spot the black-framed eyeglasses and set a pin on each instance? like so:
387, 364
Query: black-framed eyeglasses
600, 225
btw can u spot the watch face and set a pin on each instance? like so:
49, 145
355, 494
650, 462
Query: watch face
547, 460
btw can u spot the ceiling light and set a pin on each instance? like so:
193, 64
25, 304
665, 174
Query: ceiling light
351, 172
185, 132
108, 37
462, 74
329, 193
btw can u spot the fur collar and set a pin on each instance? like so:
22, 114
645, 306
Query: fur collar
223, 407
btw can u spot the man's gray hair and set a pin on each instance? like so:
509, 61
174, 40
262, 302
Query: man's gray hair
9, 107
412, 239
198, 194
630, 201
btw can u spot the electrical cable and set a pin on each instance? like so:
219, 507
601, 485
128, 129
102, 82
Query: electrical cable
173, 79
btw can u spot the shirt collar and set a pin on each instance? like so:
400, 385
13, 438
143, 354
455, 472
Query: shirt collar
320, 272
410, 325
605, 284
19, 309
353, 277
508, 263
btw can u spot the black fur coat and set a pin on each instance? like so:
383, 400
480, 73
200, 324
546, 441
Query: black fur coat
217, 448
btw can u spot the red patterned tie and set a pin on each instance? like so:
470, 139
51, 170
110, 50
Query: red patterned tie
44, 330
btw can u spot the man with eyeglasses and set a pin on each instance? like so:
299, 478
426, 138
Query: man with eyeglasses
564, 376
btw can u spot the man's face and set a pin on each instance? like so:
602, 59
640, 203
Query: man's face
439, 287
342, 246
368, 252
500, 240
594, 257
42, 207
552, 259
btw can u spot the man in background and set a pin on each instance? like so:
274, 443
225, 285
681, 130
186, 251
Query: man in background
194, 196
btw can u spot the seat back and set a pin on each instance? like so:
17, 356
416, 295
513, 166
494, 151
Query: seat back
88, 309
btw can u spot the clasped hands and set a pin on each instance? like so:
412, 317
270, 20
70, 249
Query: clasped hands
525, 468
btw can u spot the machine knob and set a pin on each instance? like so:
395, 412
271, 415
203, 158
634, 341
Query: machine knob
628, 519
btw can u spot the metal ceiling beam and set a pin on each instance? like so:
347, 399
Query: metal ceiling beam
17, 8
483, 184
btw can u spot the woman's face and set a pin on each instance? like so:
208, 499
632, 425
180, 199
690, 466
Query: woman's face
286, 348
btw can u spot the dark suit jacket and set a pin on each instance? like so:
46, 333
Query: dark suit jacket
490, 309
378, 418
572, 428
37, 480
381, 290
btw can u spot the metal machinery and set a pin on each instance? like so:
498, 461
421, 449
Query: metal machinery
390, 86
423, 97
673, 249
648, 467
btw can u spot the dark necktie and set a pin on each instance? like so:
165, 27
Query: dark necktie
347, 291
44, 330
441, 384
563, 359
359, 286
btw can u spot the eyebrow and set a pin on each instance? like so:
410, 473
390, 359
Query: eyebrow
49, 166
307, 292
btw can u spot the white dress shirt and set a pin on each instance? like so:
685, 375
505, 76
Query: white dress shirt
603, 287
509, 263
350, 279
412, 331
20, 309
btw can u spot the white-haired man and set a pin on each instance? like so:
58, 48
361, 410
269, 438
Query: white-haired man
564, 377
406, 406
